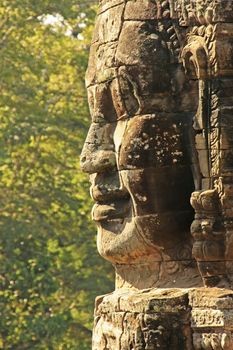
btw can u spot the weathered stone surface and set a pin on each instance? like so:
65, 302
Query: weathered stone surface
160, 82
171, 319
147, 11
151, 320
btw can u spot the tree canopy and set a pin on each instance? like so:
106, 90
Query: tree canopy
50, 271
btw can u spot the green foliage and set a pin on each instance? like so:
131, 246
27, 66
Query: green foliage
49, 269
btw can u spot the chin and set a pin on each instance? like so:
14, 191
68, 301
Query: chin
120, 242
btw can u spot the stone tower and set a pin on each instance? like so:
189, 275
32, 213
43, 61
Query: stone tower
160, 89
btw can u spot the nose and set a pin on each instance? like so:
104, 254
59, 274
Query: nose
98, 154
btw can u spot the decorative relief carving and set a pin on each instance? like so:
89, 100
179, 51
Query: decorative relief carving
209, 234
141, 322
202, 61
161, 134
203, 12
207, 318
220, 341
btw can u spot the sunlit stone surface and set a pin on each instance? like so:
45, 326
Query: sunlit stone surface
160, 88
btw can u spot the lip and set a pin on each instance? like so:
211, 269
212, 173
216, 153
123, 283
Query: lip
106, 195
108, 211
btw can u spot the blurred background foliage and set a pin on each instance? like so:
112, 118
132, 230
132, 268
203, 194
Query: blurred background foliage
50, 271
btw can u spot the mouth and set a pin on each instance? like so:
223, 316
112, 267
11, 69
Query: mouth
119, 209
105, 194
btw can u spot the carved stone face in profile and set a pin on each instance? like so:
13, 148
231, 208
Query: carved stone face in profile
137, 148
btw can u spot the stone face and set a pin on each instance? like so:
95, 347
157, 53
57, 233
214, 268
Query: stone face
138, 149
160, 82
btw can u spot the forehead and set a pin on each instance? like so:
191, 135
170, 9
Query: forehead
130, 67
127, 34
126, 65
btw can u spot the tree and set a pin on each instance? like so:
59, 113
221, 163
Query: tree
49, 269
